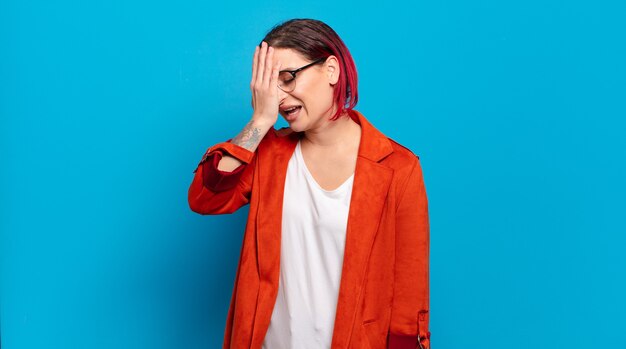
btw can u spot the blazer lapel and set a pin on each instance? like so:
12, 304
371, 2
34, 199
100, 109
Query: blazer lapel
369, 193
272, 161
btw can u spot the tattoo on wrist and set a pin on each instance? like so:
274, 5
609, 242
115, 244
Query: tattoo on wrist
248, 138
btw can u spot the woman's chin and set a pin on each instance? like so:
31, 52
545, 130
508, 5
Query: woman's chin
294, 128
295, 125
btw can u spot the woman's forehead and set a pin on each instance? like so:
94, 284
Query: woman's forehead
289, 58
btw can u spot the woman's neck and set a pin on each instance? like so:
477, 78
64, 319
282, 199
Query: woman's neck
339, 133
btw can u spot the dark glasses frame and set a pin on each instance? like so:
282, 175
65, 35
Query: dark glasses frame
295, 71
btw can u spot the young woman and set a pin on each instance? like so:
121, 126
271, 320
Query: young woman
336, 247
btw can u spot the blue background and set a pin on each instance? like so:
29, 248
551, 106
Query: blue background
515, 108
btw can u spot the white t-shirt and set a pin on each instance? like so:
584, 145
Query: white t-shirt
311, 257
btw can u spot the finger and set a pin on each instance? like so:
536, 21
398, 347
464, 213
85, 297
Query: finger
261, 64
275, 72
254, 65
269, 65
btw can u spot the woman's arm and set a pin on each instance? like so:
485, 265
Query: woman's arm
410, 309
213, 191
223, 178
249, 138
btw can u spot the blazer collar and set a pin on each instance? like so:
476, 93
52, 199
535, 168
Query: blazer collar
374, 144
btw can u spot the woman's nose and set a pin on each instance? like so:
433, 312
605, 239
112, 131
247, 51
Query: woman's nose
282, 95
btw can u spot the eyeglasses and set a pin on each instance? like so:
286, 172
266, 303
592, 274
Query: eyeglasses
287, 78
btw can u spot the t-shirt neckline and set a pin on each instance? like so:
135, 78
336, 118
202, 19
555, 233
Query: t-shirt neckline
312, 179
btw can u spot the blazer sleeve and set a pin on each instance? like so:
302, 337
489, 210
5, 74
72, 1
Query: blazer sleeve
410, 308
217, 192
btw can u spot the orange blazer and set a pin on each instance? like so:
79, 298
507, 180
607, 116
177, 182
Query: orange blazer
383, 299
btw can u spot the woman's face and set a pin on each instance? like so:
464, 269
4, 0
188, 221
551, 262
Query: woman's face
313, 91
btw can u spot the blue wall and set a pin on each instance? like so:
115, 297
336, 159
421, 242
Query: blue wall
515, 108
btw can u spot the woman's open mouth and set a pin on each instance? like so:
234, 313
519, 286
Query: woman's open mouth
292, 113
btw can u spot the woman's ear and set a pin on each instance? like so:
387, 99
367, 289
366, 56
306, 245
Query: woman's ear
332, 69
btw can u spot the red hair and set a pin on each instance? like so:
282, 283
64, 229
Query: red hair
314, 39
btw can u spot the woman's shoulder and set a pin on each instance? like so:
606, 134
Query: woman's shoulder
404, 162
402, 156
278, 137
399, 155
